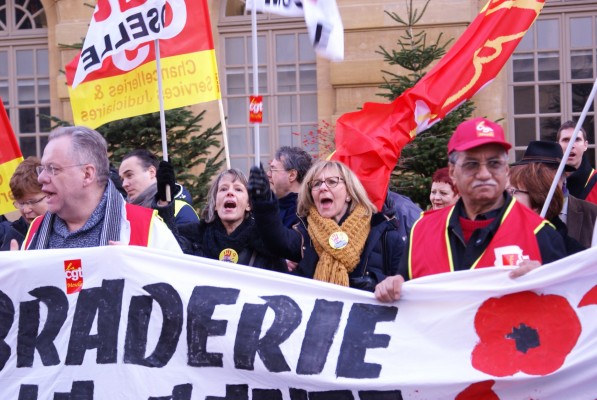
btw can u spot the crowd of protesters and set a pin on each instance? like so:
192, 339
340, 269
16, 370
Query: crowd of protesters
314, 219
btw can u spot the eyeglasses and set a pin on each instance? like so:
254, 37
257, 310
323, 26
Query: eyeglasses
272, 170
52, 170
22, 204
330, 182
513, 191
472, 167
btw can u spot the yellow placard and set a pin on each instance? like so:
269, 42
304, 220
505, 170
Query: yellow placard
186, 79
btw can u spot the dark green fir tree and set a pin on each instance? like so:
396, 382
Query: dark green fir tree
414, 56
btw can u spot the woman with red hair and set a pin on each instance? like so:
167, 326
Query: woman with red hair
443, 192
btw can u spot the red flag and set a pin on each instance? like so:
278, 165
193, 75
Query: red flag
115, 75
10, 158
369, 141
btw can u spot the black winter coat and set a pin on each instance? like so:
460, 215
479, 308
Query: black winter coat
15, 230
380, 257
209, 239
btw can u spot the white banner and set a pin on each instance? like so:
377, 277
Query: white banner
324, 23
134, 323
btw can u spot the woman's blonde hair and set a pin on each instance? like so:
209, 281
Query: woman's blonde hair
209, 212
354, 188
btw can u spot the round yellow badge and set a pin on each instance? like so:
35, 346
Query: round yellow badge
338, 240
229, 255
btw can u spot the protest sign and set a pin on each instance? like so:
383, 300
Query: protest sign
149, 325
115, 74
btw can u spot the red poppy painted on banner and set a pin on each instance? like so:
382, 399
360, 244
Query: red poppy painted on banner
524, 332
590, 298
479, 390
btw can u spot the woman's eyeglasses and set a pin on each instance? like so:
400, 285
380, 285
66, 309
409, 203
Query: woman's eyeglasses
513, 191
330, 182
22, 204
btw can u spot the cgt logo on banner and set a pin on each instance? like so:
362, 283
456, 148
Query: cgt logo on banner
115, 75
157, 326
73, 273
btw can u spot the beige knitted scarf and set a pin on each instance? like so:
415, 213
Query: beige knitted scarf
334, 265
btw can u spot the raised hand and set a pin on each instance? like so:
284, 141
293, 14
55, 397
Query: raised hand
166, 179
259, 189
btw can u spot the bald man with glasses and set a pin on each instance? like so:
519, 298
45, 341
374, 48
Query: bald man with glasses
84, 208
486, 227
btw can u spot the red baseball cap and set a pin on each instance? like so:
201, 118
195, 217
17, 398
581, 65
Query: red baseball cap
477, 132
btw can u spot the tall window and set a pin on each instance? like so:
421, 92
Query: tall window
552, 73
287, 82
24, 72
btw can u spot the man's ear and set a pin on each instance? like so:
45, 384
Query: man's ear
90, 174
293, 175
152, 171
451, 173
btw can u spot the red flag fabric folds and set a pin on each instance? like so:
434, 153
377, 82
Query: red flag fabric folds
370, 141
10, 158
115, 75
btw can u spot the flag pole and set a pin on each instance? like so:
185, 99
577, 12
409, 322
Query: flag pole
224, 133
556, 179
158, 67
255, 81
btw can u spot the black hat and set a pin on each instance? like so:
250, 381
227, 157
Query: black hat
548, 153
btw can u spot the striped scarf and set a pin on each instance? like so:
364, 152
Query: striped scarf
108, 212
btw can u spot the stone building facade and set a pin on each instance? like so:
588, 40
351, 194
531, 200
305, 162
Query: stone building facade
545, 82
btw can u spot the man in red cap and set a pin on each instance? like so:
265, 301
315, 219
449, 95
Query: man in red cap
486, 227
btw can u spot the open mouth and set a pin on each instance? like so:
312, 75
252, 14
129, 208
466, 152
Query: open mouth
229, 204
49, 195
326, 202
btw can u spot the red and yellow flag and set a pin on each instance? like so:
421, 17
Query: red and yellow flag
10, 158
115, 74
369, 141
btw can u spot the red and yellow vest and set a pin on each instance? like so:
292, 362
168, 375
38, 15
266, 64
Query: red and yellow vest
139, 218
430, 252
